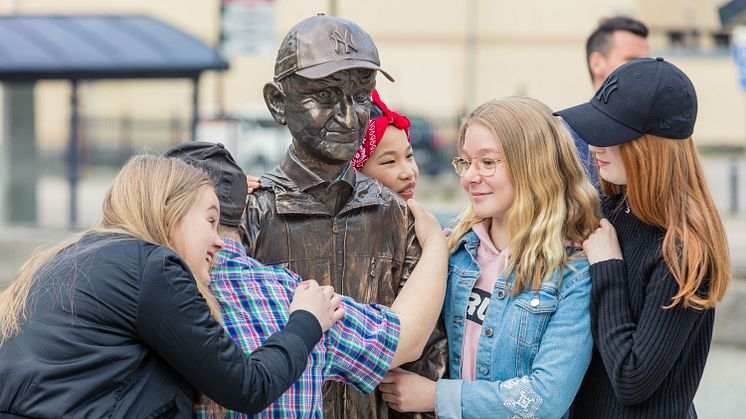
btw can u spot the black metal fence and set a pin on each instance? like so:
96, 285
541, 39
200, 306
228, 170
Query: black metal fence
258, 144
111, 141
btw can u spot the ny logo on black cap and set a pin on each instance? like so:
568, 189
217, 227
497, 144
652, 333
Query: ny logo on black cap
344, 39
610, 84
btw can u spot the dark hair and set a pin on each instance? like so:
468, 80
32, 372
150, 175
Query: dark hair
600, 39
375, 111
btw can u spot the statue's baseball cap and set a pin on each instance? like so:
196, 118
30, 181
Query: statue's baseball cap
321, 45
229, 178
643, 96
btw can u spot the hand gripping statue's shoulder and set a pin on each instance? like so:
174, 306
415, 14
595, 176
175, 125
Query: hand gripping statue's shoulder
260, 204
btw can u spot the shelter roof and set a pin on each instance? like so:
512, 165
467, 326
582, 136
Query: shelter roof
34, 47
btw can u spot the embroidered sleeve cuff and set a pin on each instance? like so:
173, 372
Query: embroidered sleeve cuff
303, 324
448, 399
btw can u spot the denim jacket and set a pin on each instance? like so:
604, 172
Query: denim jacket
531, 357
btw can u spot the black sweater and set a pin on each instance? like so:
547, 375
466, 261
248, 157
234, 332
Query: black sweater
117, 328
647, 361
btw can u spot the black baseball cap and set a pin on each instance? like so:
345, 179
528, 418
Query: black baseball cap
643, 96
229, 178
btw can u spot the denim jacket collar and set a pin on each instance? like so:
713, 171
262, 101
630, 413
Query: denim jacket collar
469, 241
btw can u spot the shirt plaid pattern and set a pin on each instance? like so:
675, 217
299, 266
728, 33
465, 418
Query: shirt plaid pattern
254, 300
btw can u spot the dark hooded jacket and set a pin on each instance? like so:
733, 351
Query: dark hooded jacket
117, 328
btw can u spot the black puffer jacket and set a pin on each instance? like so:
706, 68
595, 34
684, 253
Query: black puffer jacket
118, 329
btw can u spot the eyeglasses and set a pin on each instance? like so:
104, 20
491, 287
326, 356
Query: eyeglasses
485, 166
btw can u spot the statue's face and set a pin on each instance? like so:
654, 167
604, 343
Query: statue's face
328, 117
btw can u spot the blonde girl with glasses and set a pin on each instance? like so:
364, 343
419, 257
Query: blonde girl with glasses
517, 300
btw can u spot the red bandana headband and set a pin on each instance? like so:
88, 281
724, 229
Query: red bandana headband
376, 128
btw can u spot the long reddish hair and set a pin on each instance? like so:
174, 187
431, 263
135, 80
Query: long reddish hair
666, 188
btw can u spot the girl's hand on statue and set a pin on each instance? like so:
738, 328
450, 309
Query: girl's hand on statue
426, 226
252, 183
406, 391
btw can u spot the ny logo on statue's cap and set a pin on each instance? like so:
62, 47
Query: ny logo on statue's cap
343, 40
321, 45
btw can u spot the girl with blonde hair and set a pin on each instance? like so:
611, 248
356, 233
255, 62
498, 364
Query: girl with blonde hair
112, 324
660, 262
516, 308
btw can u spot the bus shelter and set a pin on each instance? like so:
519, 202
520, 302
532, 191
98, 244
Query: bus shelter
80, 48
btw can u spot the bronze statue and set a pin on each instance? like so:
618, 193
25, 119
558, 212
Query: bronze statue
316, 215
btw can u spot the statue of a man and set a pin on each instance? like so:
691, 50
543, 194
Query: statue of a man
316, 215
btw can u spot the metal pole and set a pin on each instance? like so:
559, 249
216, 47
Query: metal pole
733, 182
332, 7
220, 77
195, 107
73, 175
470, 73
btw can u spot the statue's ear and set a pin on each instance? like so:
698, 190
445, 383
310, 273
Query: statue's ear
275, 100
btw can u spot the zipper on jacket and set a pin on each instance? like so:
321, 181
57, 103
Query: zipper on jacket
336, 282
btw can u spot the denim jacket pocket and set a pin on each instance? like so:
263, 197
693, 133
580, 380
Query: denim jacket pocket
530, 319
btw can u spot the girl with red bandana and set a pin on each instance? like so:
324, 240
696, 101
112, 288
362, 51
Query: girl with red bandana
385, 154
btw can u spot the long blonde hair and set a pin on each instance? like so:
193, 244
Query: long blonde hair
146, 199
666, 188
554, 202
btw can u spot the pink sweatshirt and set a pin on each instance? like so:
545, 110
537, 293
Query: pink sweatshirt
491, 263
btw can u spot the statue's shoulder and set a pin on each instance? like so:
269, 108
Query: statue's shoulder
262, 199
392, 198
374, 190
372, 187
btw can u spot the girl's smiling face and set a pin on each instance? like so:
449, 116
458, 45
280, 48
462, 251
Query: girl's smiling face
392, 163
195, 237
491, 195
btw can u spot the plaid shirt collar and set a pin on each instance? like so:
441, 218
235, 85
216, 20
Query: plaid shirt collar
232, 250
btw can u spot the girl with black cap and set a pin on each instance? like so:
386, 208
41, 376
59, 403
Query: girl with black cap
660, 263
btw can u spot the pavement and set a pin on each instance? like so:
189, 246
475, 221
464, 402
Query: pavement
720, 393
735, 229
